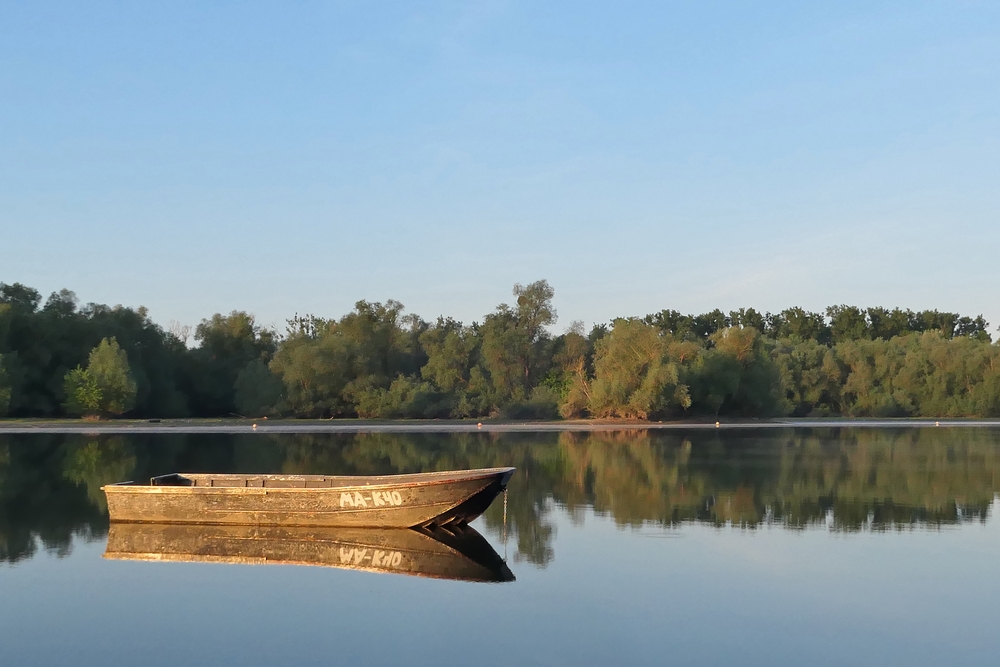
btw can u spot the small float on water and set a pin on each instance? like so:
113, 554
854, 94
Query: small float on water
430, 500
458, 552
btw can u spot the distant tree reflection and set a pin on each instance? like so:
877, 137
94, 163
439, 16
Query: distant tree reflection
841, 479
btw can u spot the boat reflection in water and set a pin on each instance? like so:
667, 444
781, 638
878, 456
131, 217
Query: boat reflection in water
458, 553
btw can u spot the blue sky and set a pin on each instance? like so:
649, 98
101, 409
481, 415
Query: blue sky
298, 156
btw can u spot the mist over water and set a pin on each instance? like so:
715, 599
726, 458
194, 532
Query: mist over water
784, 546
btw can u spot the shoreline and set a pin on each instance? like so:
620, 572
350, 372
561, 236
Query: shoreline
353, 426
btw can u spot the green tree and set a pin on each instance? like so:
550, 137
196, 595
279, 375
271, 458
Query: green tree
376, 360
932, 375
159, 359
800, 324
108, 364
735, 376
571, 369
635, 378
453, 352
713, 377
385, 342
534, 308
933, 320
258, 390
449, 347
577, 397
984, 397
707, 324
810, 377
105, 387
977, 328
542, 403
514, 347
758, 394
5, 388
406, 398
672, 322
83, 394
42, 343
568, 352
333, 368
315, 365
505, 348
36, 359
886, 324
872, 386
227, 343
748, 317
847, 323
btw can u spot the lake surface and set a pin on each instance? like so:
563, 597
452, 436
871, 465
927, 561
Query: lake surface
818, 546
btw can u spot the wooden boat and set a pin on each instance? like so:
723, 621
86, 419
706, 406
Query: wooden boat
458, 552
391, 501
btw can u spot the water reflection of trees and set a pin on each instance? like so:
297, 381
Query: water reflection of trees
847, 479
39, 502
852, 479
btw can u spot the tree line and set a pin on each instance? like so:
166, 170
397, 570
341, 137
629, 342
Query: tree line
842, 479
58, 358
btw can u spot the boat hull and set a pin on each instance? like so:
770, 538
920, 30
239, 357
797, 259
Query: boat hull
393, 501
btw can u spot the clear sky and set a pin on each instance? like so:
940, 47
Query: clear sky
197, 157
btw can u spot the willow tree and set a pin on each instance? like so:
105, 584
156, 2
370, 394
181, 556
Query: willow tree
635, 376
810, 377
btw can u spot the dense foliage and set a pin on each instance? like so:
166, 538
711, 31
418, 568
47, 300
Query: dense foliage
377, 361
105, 386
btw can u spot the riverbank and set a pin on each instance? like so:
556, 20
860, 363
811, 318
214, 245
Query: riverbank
25, 426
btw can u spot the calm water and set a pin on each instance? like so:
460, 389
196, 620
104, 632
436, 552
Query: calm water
807, 546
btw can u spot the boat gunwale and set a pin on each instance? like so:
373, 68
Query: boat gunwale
438, 478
